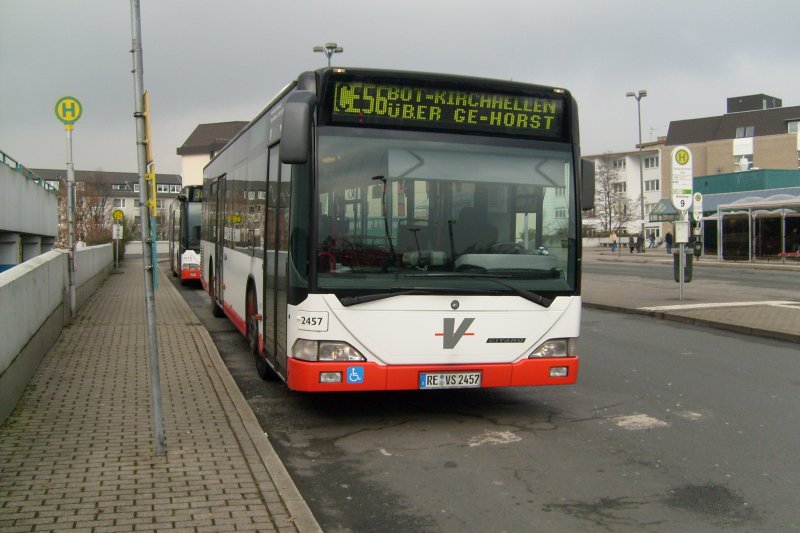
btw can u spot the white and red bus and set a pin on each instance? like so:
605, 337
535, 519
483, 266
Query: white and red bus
184, 234
383, 230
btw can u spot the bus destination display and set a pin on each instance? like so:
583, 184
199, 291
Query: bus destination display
389, 105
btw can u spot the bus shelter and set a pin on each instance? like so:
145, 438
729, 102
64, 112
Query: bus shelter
756, 228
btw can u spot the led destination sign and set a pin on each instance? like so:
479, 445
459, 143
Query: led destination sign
391, 105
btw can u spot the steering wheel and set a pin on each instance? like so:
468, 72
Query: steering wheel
507, 247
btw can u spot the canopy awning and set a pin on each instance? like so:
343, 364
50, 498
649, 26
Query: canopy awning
664, 211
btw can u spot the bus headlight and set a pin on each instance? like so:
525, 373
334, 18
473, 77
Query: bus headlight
307, 350
556, 348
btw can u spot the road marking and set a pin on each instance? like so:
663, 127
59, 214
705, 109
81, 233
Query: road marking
638, 422
689, 307
494, 437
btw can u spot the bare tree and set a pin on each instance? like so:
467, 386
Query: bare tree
92, 210
612, 207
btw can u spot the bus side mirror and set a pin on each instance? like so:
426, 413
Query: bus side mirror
587, 184
296, 127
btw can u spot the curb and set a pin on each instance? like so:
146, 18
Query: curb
744, 330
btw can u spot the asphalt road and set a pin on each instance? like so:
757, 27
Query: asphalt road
670, 428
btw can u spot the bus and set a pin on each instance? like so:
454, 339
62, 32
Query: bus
184, 234
388, 230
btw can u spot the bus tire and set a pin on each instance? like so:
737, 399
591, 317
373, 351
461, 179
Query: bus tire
251, 323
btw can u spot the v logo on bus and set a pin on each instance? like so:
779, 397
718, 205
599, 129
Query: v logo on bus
451, 335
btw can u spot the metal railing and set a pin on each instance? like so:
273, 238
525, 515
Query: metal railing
26, 172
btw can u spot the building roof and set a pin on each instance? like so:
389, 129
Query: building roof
764, 122
210, 138
109, 178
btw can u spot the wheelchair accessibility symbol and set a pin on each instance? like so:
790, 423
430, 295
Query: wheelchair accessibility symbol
355, 374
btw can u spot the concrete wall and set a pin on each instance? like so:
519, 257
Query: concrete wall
192, 168
33, 312
26, 207
134, 248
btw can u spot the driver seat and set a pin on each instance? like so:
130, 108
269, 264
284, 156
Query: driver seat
472, 233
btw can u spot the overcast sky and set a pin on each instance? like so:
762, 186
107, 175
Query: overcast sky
217, 61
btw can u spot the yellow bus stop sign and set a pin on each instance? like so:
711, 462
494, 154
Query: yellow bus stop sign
68, 110
118, 214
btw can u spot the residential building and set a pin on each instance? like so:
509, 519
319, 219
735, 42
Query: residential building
99, 193
756, 132
624, 168
202, 145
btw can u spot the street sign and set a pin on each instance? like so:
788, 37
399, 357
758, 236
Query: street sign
116, 232
118, 215
682, 185
697, 206
68, 110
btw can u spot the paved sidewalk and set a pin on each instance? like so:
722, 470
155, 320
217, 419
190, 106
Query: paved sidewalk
708, 300
77, 454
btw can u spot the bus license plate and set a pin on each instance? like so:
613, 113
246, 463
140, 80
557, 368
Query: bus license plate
449, 380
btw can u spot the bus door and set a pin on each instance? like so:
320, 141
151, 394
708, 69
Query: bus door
219, 248
271, 304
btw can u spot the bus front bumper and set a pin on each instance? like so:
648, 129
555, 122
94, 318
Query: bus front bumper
367, 376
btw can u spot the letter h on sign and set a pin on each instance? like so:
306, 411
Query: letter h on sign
68, 110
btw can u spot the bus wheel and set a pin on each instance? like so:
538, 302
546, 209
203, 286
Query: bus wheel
251, 312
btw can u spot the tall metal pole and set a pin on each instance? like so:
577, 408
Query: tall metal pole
642, 94
147, 242
71, 200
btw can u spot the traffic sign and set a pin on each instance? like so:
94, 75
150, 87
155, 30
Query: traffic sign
68, 110
682, 185
118, 214
697, 206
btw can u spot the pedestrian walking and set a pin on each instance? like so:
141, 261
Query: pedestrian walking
640, 242
631, 243
613, 239
651, 239
668, 242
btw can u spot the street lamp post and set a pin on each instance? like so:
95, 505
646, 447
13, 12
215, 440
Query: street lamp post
329, 49
642, 93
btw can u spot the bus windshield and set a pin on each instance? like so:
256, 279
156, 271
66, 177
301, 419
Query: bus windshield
402, 211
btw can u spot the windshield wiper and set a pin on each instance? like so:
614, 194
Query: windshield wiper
528, 295
347, 301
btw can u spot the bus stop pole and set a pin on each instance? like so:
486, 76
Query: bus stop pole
681, 267
147, 241
71, 203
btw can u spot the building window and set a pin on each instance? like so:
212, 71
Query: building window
135, 187
175, 189
161, 187
651, 162
792, 126
619, 164
652, 185
561, 212
119, 202
743, 132
619, 187
560, 191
